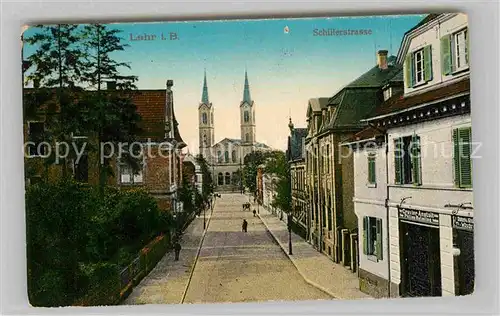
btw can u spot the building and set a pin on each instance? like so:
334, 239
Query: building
422, 168
192, 169
226, 157
329, 168
295, 155
160, 171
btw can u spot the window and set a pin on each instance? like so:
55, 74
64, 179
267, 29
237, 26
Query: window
204, 141
204, 118
387, 93
247, 137
220, 179
81, 169
460, 50
36, 133
219, 156
226, 156
246, 116
371, 169
407, 160
329, 210
372, 237
418, 67
418, 58
233, 156
461, 157
227, 179
127, 175
212, 118
328, 158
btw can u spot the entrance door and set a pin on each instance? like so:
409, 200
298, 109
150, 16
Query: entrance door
464, 263
420, 260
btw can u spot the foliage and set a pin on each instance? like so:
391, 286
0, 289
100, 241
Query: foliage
251, 163
207, 186
69, 226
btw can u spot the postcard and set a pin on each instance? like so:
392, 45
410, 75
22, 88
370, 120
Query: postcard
231, 161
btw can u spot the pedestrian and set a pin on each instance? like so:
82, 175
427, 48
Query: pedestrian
254, 213
244, 226
177, 249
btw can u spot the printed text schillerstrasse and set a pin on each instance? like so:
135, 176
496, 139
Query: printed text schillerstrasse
344, 32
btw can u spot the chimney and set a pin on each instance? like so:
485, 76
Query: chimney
382, 59
111, 85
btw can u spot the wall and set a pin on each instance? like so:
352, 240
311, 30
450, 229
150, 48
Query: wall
432, 37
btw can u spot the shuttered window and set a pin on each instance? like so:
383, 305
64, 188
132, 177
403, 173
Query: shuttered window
371, 169
407, 160
455, 52
416, 160
398, 160
372, 237
462, 138
418, 67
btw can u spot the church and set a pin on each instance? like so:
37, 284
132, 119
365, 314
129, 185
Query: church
226, 158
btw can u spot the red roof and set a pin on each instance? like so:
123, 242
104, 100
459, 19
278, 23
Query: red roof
398, 102
151, 107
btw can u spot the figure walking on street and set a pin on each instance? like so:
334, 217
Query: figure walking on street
244, 226
254, 213
177, 249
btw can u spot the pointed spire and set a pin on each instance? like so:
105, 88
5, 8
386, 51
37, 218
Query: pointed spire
204, 96
246, 91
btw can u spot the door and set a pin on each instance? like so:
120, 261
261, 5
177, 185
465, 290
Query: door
464, 263
420, 261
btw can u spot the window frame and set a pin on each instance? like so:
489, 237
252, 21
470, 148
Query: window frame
246, 116
457, 50
372, 174
204, 118
124, 166
373, 248
419, 52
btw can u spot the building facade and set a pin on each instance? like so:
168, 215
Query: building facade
226, 157
159, 172
296, 159
330, 168
427, 228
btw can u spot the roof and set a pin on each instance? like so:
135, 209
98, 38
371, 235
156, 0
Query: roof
295, 141
316, 105
425, 20
398, 102
360, 97
204, 94
365, 134
246, 91
238, 142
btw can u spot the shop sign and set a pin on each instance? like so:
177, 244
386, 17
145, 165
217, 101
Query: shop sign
419, 216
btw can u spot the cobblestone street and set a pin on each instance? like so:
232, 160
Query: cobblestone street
232, 266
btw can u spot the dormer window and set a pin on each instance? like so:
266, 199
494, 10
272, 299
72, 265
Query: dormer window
418, 58
455, 52
418, 67
387, 93
460, 46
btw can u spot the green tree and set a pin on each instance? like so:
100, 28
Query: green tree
111, 113
207, 184
277, 165
252, 161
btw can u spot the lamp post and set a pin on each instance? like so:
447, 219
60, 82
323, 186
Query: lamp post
204, 218
290, 234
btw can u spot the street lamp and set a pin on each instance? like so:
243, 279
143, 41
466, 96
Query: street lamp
289, 234
204, 218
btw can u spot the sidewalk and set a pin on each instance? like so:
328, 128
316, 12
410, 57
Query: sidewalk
168, 281
315, 268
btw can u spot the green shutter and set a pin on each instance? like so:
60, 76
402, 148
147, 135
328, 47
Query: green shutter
456, 157
379, 239
398, 160
428, 63
408, 73
365, 234
446, 57
416, 160
464, 136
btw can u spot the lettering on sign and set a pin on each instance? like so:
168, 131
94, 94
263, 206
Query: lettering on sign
464, 223
419, 216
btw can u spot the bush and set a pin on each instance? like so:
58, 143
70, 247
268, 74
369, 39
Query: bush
72, 230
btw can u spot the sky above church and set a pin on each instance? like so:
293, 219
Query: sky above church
288, 62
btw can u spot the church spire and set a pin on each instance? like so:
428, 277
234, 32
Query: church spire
246, 91
204, 96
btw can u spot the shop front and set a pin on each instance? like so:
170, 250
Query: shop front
463, 242
420, 253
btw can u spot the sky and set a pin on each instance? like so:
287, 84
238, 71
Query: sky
285, 69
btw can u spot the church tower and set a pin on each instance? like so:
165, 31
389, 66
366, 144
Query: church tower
247, 113
206, 124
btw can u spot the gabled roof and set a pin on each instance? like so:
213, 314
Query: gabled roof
360, 97
316, 105
425, 20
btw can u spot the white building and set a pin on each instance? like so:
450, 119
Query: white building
429, 242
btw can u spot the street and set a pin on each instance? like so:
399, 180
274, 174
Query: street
232, 266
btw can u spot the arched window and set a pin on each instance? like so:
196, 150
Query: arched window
204, 140
228, 178
204, 118
219, 156
247, 137
212, 118
226, 156
220, 179
246, 116
233, 155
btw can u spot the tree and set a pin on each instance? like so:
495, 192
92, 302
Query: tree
207, 186
251, 163
277, 164
112, 115
57, 64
